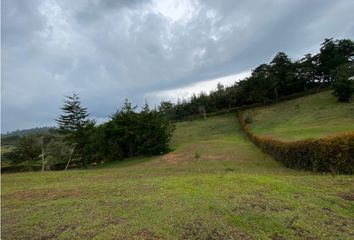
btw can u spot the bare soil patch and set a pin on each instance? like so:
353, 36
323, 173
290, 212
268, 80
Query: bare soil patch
349, 196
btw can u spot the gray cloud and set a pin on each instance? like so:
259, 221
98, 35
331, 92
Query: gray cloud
109, 50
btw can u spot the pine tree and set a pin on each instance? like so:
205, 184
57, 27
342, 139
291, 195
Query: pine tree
74, 117
154, 131
125, 123
76, 126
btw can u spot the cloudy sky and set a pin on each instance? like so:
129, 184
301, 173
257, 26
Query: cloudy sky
107, 50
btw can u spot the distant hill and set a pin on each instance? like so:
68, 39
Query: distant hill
25, 132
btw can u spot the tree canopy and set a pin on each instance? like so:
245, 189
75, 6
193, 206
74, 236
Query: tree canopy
281, 77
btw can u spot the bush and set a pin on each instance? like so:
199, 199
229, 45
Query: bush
343, 85
343, 90
20, 168
331, 154
248, 119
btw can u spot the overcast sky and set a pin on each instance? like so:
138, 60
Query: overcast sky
107, 50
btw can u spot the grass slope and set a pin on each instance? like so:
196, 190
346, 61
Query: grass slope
312, 116
214, 185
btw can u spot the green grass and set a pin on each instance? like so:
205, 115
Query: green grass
312, 116
214, 185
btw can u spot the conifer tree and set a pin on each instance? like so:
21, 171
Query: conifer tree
125, 123
76, 126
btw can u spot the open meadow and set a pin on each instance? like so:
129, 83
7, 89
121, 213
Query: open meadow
167, 119
215, 184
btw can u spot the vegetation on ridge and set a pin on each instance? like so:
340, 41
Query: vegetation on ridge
332, 66
130, 133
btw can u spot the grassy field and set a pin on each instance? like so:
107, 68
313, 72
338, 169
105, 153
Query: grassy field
312, 116
214, 185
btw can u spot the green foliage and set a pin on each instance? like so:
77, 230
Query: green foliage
26, 154
281, 74
126, 125
155, 132
130, 133
11, 140
248, 119
166, 109
27, 149
332, 154
280, 78
343, 85
127, 134
56, 151
74, 117
20, 168
332, 55
76, 127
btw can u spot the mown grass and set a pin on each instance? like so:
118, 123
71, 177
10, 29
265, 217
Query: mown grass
228, 190
312, 116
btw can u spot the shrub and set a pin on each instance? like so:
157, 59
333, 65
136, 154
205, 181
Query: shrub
343, 84
332, 154
20, 168
248, 119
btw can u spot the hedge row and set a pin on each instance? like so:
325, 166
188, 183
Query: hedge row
331, 154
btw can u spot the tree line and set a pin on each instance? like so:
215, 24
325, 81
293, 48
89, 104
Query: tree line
128, 133
79, 141
332, 67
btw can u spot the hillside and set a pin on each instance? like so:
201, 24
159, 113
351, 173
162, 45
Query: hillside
312, 116
25, 132
215, 185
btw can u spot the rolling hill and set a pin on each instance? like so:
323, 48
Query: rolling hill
215, 185
312, 116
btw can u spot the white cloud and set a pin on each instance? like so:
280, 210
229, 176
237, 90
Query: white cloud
206, 86
175, 10
107, 50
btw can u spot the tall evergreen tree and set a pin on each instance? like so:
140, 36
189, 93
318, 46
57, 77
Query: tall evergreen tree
166, 108
125, 123
154, 131
76, 126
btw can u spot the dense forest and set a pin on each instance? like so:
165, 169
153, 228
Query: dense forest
79, 141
